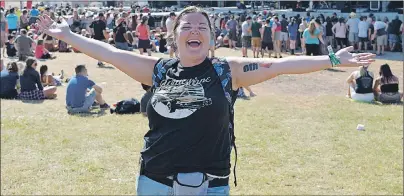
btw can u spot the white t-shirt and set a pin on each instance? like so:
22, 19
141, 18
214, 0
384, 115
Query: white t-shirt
379, 25
340, 30
353, 25
169, 25
363, 29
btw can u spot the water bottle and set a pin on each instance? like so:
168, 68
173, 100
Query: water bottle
334, 59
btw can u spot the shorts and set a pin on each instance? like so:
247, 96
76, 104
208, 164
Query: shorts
284, 36
389, 97
256, 42
277, 36
32, 95
353, 37
367, 97
233, 35
145, 44
267, 46
170, 42
246, 41
88, 102
122, 45
393, 38
10, 31
363, 39
381, 40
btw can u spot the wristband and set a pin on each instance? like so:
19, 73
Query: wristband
333, 58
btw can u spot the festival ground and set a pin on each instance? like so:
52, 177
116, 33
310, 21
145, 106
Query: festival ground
298, 136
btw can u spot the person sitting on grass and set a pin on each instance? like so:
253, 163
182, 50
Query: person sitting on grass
41, 52
81, 93
162, 43
31, 86
386, 86
360, 85
11, 50
48, 79
8, 81
24, 45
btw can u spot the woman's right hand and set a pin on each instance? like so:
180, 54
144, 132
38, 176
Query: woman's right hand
50, 27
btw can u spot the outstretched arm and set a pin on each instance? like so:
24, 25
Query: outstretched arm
248, 71
136, 66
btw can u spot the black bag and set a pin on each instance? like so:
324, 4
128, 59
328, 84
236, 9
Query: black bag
129, 106
381, 32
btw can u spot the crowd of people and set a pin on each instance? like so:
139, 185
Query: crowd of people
183, 154
263, 33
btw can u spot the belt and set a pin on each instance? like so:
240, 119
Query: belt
217, 182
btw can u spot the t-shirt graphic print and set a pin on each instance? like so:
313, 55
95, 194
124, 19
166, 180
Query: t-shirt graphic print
180, 98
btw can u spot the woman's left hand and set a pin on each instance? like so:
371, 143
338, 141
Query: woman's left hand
349, 59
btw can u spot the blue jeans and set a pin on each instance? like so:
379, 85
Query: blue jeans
122, 45
88, 102
147, 186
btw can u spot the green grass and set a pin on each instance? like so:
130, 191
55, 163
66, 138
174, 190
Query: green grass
286, 144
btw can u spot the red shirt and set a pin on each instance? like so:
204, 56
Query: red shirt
39, 51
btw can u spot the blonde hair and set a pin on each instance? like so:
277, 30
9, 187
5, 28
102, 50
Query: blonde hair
312, 27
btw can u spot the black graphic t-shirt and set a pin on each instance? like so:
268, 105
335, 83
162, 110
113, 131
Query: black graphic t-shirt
189, 123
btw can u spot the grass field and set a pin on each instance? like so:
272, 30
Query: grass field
298, 136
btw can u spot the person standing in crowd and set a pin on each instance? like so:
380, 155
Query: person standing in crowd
12, 21
302, 27
352, 25
24, 21
246, 36
120, 37
33, 15
284, 33
31, 85
380, 34
3, 31
363, 33
370, 34
150, 21
231, 27
312, 37
339, 30
256, 37
99, 32
133, 23
292, 29
170, 27
143, 33
394, 32
276, 36
328, 32
267, 41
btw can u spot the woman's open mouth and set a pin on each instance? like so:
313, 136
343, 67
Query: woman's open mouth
194, 43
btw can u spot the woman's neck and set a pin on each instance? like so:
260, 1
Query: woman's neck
191, 62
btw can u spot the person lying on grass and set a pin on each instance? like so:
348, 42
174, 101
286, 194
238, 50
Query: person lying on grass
190, 112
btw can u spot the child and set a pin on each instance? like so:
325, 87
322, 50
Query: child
135, 40
48, 79
153, 40
130, 40
11, 51
41, 52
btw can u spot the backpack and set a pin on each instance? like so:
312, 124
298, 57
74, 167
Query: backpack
129, 106
222, 69
364, 84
